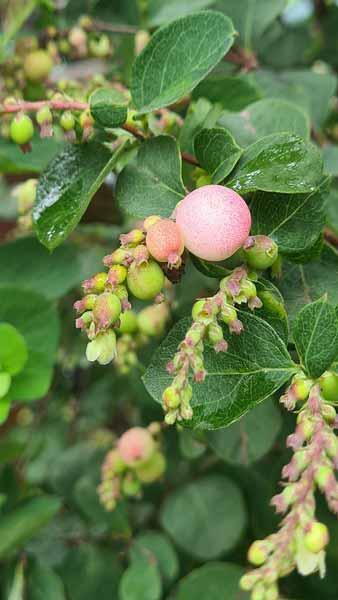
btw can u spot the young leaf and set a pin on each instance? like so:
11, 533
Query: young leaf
294, 221
189, 517
152, 183
248, 440
207, 581
265, 117
278, 163
315, 332
108, 108
217, 152
255, 366
13, 349
22, 523
178, 57
252, 17
66, 188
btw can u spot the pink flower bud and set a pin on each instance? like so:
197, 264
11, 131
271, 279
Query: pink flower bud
136, 446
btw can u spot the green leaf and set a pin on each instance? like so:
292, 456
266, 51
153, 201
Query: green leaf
14, 161
208, 268
273, 310
255, 366
200, 114
248, 440
331, 209
281, 163
152, 183
265, 117
13, 349
315, 332
294, 221
162, 550
108, 108
251, 17
330, 156
207, 581
37, 320
161, 12
5, 406
232, 93
141, 581
89, 570
18, 586
189, 517
178, 57
23, 522
66, 188
32, 267
217, 152
301, 284
44, 584
310, 90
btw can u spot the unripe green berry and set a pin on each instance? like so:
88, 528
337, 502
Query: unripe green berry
329, 413
328, 383
228, 314
199, 310
117, 274
26, 194
121, 292
145, 281
215, 333
67, 120
271, 593
323, 475
99, 47
21, 129
257, 554
44, 115
258, 592
128, 322
153, 469
248, 288
317, 537
130, 485
171, 398
301, 388
260, 252
107, 309
37, 65
152, 319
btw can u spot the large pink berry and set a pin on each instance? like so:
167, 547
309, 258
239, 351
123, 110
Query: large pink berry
215, 222
136, 446
165, 242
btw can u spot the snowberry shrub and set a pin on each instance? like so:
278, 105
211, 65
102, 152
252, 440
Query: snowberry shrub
181, 195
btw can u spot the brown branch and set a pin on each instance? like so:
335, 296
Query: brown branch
123, 29
73, 105
331, 237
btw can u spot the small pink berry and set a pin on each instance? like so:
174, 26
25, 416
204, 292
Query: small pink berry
165, 242
215, 222
136, 446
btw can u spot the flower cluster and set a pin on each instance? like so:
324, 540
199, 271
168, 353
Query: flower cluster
207, 314
301, 540
136, 460
105, 308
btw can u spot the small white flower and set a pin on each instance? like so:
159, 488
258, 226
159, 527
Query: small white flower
309, 562
102, 348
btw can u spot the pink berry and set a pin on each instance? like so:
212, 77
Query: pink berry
215, 222
136, 446
165, 242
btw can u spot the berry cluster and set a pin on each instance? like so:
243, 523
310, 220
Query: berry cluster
136, 460
25, 194
132, 268
207, 314
300, 543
